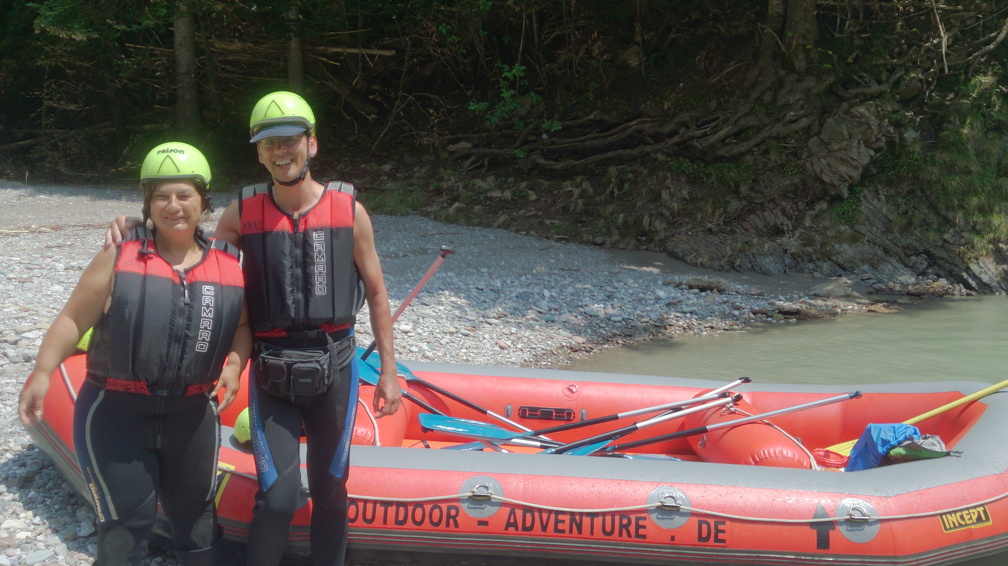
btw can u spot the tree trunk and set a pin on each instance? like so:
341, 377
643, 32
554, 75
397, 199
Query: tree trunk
210, 68
113, 96
768, 44
187, 113
295, 60
800, 31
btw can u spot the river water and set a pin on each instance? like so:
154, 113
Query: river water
938, 340
960, 339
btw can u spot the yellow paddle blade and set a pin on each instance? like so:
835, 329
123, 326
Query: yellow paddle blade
844, 448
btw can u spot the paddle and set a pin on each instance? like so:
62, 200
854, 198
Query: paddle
479, 430
720, 392
484, 431
410, 376
445, 252
598, 441
371, 378
714, 394
844, 448
726, 424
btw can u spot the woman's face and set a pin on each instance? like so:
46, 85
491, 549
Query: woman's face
176, 205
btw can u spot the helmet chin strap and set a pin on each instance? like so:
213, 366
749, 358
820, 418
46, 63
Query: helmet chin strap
299, 178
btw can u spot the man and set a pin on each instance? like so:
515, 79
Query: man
309, 262
307, 249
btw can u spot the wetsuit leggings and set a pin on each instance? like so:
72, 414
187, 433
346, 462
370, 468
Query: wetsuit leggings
276, 426
135, 448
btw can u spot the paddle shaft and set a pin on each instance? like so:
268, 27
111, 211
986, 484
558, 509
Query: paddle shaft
727, 424
445, 252
709, 396
967, 399
620, 432
844, 448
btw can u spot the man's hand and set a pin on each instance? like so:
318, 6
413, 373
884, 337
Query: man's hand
387, 395
119, 228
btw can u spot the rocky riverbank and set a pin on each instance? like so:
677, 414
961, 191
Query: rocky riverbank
500, 299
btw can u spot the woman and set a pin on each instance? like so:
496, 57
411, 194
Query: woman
170, 333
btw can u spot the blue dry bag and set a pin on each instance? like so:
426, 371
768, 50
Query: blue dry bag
876, 441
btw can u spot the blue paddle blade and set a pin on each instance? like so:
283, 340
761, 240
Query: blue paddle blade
376, 367
477, 429
588, 449
367, 373
463, 427
471, 446
405, 371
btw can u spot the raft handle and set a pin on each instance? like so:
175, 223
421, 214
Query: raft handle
481, 492
669, 502
861, 517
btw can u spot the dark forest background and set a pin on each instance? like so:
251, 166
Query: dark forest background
852, 138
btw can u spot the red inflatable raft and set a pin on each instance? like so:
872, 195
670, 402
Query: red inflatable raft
687, 487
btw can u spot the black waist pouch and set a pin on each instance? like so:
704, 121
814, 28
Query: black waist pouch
296, 372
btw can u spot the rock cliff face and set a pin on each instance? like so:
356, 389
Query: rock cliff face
881, 259
845, 145
790, 232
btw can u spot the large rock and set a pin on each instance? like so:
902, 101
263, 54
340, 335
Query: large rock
846, 144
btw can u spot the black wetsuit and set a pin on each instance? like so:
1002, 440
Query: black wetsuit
135, 448
276, 425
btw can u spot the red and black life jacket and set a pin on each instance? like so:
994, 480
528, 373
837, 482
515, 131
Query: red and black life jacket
166, 329
299, 272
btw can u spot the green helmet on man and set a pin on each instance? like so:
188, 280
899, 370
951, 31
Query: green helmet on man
176, 160
279, 114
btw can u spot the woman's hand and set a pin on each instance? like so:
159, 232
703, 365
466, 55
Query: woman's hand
230, 382
32, 397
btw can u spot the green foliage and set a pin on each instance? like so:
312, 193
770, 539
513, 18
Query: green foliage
847, 211
448, 34
511, 103
395, 199
66, 20
964, 177
551, 126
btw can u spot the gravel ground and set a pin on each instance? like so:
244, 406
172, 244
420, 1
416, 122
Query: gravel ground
501, 299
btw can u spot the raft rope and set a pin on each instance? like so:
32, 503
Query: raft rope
66, 381
481, 493
863, 518
374, 423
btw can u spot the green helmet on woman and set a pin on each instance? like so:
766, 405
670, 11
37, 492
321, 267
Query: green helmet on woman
279, 114
176, 160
